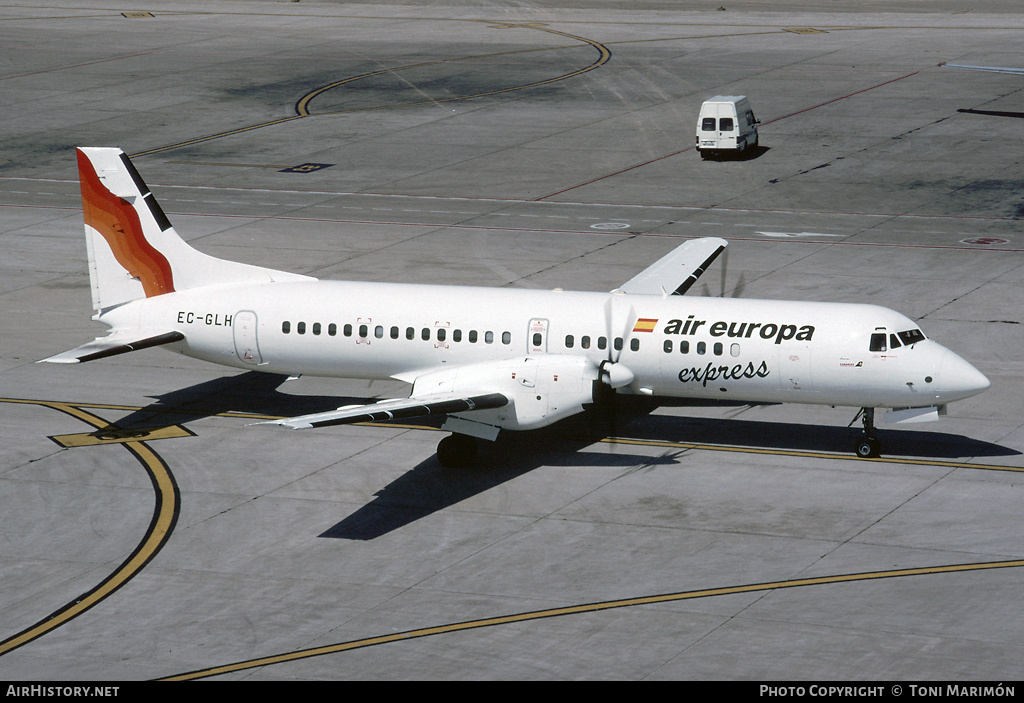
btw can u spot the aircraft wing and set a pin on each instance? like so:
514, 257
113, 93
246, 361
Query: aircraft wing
400, 409
115, 343
674, 273
993, 69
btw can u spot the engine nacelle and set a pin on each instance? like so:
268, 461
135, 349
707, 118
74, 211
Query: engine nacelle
541, 389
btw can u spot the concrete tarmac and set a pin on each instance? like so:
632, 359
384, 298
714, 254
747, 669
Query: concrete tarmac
150, 532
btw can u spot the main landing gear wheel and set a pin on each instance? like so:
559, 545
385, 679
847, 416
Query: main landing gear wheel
456, 451
868, 446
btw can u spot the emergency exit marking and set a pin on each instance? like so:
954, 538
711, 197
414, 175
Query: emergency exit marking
806, 30
133, 15
305, 168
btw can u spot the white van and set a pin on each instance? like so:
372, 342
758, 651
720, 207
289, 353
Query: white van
726, 123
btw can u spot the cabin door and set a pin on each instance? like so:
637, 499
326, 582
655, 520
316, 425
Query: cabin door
795, 368
246, 346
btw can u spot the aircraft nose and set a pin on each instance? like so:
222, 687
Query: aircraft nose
958, 379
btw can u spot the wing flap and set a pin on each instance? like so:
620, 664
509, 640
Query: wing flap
400, 409
675, 272
113, 344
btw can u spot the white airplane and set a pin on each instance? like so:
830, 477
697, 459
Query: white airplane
496, 358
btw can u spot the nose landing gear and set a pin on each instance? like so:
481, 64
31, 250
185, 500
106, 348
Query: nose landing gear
868, 446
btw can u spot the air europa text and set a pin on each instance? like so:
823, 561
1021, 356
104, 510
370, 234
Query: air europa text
780, 332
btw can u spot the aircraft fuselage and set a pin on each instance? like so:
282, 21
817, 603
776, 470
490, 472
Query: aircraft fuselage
675, 346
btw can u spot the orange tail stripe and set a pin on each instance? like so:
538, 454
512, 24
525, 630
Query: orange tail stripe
116, 220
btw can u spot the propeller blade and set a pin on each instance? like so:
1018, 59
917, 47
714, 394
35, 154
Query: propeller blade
725, 271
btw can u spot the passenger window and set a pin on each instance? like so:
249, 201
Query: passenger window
286, 327
456, 335
425, 334
394, 333
472, 336
585, 342
316, 328
708, 124
734, 350
569, 341
726, 124
332, 329
667, 346
537, 339
378, 331
702, 348
878, 342
363, 330
441, 334
301, 328
410, 333
506, 337
489, 337
719, 348
634, 344
684, 347
602, 342
348, 330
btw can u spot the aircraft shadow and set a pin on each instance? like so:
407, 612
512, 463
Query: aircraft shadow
429, 487
250, 392
782, 436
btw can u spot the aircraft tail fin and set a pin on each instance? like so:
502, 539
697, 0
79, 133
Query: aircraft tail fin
134, 251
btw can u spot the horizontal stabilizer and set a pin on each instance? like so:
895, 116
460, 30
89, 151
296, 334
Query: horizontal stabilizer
400, 409
113, 344
675, 272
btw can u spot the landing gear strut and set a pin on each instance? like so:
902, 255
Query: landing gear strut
456, 451
868, 446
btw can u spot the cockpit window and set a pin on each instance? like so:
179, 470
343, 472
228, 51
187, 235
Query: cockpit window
894, 342
911, 337
878, 342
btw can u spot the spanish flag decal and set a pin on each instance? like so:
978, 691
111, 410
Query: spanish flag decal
645, 324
